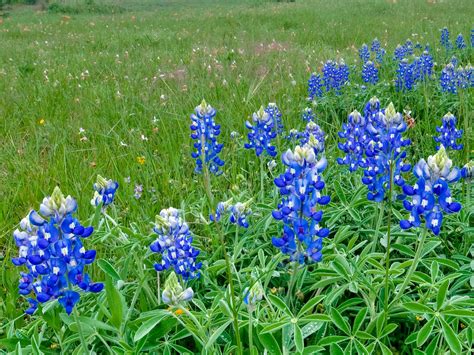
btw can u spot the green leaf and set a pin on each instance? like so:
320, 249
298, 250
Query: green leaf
434, 271
451, 338
108, 269
332, 339
216, 334
425, 332
443, 290
340, 322
429, 246
148, 326
418, 308
341, 266
282, 306
458, 313
359, 319
390, 328
270, 343
298, 338
274, 326
364, 335
116, 303
310, 305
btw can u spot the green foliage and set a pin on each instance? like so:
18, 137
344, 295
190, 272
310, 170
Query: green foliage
111, 68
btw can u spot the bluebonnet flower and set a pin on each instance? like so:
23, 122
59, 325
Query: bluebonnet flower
314, 136
384, 153
424, 65
467, 171
253, 295
173, 293
372, 110
431, 196
460, 43
174, 243
405, 77
104, 191
261, 133
378, 50
444, 39
238, 212
275, 116
308, 114
399, 52
300, 187
364, 53
354, 133
452, 79
335, 75
472, 37
138, 191
315, 86
50, 246
204, 131
449, 134
370, 74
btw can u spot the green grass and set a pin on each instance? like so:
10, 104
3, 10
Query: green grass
45, 54
150, 63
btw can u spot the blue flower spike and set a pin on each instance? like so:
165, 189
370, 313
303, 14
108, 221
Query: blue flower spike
204, 132
449, 134
104, 191
174, 244
301, 190
430, 197
261, 133
50, 246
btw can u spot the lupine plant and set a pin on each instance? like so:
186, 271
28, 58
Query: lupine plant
448, 133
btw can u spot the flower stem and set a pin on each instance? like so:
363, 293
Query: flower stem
292, 281
230, 281
250, 330
262, 178
79, 330
413, 266
387, 258
377, 226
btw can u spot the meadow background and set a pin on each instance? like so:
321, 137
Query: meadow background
107, 88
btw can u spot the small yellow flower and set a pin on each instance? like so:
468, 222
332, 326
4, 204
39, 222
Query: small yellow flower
179, 312
41, 122
273, 290
419, 318
141, 160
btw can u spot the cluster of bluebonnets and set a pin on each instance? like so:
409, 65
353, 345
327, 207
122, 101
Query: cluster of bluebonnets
50, 240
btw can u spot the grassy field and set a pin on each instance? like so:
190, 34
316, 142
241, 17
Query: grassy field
110, 90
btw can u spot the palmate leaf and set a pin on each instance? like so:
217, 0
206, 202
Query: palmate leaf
340, 322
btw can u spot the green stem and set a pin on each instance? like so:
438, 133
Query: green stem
412, 269
230, 281
79, 330
379, 223
262, 178
250, 330
292, 281
389, 228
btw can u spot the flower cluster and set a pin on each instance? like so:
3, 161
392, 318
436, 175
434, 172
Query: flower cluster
300, 187
261, 133
460, 43
354, 133
375, 48
174, 243
253, 295
173, 293
204, 131
452, 79
238, 212
50, 246
104, 191
370, 73
467, 171
308, 115
364, 53
444, 39
314, 136
335, 75
431, 196
384, 153
449, 134
411, 72
275, 115
315, 86
402, 51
